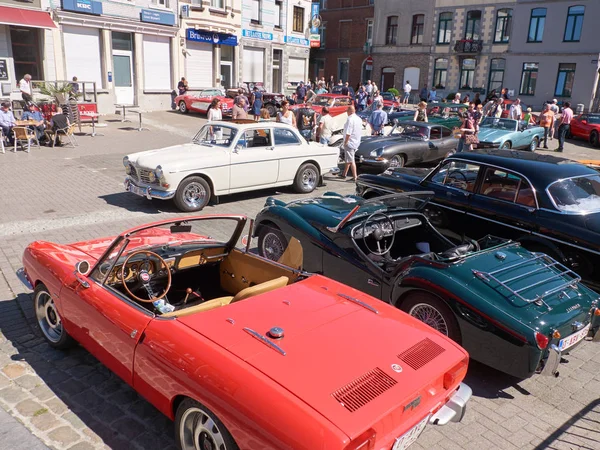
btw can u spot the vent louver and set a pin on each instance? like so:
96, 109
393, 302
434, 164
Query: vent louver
365, 388
421, 353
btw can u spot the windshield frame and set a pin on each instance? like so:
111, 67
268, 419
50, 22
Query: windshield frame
329, 104
236, 132
491, 119
562, 211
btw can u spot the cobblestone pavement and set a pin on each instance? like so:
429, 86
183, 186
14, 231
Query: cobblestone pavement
70, 401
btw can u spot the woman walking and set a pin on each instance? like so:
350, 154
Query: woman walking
421, 112
286, 115
215, 114
257, 103
468, 133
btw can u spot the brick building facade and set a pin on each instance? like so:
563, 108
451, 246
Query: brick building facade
346, 35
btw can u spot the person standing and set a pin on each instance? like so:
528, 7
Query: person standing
331, 83
477, 100
407, 89
286, 115
182, 86
468, 135
321, 89
361, 99
547, 122
496, 109
74, 87
345, 89
421, 112
432, 97
377, 119
310, 95
564, 125
25, 88
7, 121
214, 114
257, 102
423, 93
242, 96
456, 98
369, 88
300, 93
516, 111
325, 126
352, 136
239, 109
377, 98
556, 110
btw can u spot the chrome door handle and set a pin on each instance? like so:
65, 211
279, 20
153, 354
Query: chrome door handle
372, 282
81, 281
133, 334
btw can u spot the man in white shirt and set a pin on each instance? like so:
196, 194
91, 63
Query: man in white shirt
407, 89
25, 88
516, 111
369, 88
325, 126
352, 134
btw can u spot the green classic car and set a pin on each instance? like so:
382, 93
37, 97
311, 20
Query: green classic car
512, 309
443, 114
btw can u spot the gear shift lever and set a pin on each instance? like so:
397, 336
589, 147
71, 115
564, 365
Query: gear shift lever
189, 292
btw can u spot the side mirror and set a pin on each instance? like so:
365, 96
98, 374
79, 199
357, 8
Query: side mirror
82, 267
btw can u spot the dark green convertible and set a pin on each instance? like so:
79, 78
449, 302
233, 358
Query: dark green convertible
514, 310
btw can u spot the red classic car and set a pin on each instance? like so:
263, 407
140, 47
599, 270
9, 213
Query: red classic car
240, 351
586, 126
337, 103
198, 101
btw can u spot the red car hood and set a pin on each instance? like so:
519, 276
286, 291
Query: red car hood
330, 342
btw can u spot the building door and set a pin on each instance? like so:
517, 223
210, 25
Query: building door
226, 66
199, 65
26, 52
277, 56
388, 75
123, 68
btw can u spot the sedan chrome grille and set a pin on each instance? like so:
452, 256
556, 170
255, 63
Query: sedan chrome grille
144, 175
364, 389
133, 173
421, 353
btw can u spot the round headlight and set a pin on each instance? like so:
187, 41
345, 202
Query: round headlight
158, 172
151, 176
128, 169
126, 161
376, 153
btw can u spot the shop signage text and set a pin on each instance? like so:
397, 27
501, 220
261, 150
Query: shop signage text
257, 35
211, 38
296, 41
83, 6
315, 40
153, 16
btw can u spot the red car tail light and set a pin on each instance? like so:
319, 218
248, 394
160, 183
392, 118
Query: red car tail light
365, 441
456, 374
541, 340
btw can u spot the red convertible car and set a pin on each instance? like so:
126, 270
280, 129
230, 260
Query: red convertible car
337, 104
240, 351
199, 101
586, 126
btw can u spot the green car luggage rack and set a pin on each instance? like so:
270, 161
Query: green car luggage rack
541, 265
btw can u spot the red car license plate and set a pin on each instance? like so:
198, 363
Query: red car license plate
573, 339
411, 435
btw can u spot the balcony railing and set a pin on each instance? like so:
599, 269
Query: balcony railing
468, 46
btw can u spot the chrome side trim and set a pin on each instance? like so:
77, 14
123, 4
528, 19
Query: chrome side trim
358, 302
264, 340
23, 278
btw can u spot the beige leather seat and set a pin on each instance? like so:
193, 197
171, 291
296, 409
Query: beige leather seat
222, 301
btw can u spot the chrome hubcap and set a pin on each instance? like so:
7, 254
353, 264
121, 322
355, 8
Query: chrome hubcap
272, 247
309, 178
182, 107
533, 145
429, 316
47, 317
194, 195
395, 162
200, 432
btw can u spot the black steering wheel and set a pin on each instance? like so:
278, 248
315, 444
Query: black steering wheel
379, 234
450, 175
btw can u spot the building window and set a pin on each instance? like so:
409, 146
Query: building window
473, 27
298, 25
528, 78
418, 24
574, 24
164, 3
391, 30
278, 14
467, 73
564, 81
496, 79
323, 4
322, 33
445, 28
440, 71
536, 25
503, 24
217, 4
256, 7
370, 32
343, 69
345, 34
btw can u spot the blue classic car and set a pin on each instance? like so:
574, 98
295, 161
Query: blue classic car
509, 133
549, 204
513, 310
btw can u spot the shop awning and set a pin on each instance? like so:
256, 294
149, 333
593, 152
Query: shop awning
25, 17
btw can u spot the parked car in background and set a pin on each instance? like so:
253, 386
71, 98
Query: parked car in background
408, 143
548, 204
337, 89
586, 126
199, 101
509, 133
337, 104
389, 99
229, 157
271, 101
225, 342
392, 112
513, 310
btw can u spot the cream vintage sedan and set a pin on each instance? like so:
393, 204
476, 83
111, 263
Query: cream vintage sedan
229, 157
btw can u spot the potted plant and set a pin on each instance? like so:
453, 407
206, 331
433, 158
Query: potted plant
60, 92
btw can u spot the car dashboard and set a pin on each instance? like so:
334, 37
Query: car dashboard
399, 224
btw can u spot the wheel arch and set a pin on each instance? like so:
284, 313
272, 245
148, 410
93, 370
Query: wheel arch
310, 161
205, 177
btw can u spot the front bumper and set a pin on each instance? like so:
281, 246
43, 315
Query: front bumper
23, 278
147, 191
487, 145
380, 162
454, 410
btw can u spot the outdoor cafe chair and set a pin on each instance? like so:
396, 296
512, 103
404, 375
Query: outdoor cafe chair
24, 135
67, 132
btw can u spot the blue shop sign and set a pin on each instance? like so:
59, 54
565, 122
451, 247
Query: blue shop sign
211, 38
160, 17
257, 35
83, 6
296, 41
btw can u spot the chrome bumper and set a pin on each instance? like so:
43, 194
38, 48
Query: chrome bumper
22, 276
372, 162
147, 191
454, 409
552, 362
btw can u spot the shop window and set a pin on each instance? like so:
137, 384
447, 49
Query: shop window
418, 25
440, 72
564, 80
278, 14
256, 7
473, 28
444, 28
536, 25
121, 41
26, 52
503, 25
574, 24
370, 32
391, 30
467, 73
496, 79
528, 78
298, 24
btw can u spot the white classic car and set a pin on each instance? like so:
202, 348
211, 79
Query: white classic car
229, 157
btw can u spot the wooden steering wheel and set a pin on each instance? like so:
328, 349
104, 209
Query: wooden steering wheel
145, 277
